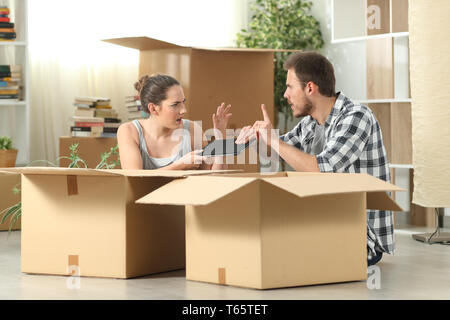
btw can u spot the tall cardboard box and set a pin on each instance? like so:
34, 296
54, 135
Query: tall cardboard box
88, 220
7, 198
89, 149
209, 76
270, 231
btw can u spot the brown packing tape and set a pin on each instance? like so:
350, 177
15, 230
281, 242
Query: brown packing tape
222, 278
72, 186
74, 260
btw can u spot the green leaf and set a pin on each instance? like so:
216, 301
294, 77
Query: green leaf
10, 211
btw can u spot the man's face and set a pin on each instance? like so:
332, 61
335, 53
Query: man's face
296, 95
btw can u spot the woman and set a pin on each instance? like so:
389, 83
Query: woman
165, 140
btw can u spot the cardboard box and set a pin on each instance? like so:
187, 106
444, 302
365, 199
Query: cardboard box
89, 149
209, 76
270, 231
88, 219
7, 198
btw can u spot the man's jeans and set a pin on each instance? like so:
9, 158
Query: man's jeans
375, 260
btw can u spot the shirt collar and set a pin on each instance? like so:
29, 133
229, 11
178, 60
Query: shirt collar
336, 110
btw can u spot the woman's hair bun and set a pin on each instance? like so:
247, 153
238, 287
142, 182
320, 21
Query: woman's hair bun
140, 84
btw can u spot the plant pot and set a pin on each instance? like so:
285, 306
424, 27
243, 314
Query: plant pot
8, 158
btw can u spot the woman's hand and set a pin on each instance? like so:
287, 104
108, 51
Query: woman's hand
220, 120
190, 161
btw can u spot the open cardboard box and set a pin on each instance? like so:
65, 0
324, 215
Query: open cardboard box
89, 149
242, 77
282, 230
8, 180
86, 222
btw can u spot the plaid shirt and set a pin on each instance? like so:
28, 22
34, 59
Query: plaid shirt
354, 144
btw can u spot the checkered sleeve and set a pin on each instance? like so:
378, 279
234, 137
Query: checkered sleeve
347, 143
293, 137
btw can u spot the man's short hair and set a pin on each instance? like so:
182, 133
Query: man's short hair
314, 67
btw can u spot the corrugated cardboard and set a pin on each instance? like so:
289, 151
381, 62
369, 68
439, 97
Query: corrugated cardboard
209, 76
270, 231
89, 149
7, 198
89, 219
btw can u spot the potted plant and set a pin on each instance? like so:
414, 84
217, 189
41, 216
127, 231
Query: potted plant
8, 155
281, 24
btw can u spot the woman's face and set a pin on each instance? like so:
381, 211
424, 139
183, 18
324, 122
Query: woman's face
172, 110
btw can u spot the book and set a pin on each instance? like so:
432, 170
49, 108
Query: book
86, 119
135, 108
106, 113
7, 30
8, 35
5, 20
112, 120
103, 102
89, 124
102, 106
110, 130
108, 135
86, 134
84, 113
91, 99
87, 129
9, 96
6, 25
8, 92
83, 105
8, 86
112, 125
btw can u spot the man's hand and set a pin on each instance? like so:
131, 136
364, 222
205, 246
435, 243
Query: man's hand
260, 129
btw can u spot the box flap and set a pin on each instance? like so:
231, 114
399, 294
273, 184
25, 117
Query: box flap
194, 191
381, 201
244, 49
112, 172
168, 173
143, 43
331, 183
7, 173
61, 171
146, 43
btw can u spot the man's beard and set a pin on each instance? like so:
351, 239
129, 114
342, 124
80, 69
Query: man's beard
307, 108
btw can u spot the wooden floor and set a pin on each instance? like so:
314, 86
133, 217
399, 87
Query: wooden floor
416, 271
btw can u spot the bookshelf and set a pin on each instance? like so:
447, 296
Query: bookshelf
383, 26
14, 115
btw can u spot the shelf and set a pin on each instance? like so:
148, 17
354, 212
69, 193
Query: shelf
13, 103
400, 166
376, 36
13, 43
369, 101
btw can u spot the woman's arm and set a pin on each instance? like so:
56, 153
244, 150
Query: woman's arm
128, 139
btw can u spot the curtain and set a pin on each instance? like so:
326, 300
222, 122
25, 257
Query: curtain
67, 58
430, 83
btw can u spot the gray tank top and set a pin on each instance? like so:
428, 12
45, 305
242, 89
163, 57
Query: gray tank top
149, 163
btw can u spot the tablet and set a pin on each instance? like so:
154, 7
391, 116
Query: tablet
224, 147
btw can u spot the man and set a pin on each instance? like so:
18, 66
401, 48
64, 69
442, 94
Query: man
334, 135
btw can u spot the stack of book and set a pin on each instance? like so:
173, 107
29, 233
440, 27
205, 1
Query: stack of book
134, 108
94, 117
10, 76
87, 127
7, 31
